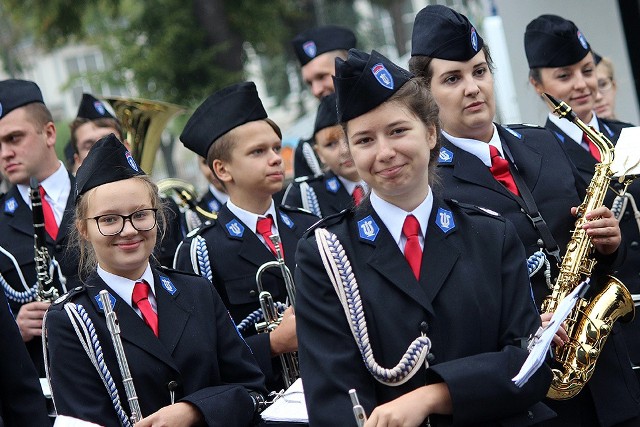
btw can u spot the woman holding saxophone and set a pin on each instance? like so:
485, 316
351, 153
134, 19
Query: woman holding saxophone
187, 363
519, 171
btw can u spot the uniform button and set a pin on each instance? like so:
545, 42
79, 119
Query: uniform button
252, 292
58, 248
634, 245
172, 385
424, 327
431, 357
530, 414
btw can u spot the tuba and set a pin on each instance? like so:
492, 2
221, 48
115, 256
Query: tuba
185, 195
143, 121
272, 318
590, 321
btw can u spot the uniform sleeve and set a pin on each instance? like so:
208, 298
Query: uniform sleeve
229, 404
326, 348
72, 374
20, 394
480, 385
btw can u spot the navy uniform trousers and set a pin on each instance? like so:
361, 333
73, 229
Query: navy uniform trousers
473, 301
555, 186
198, 348
16, 237
331, 194
235, 254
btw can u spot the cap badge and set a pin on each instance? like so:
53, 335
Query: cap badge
99, 108
131, 161
0, 109
444, 220
474, 39
382, 75
583, 40
368, 228
310, 48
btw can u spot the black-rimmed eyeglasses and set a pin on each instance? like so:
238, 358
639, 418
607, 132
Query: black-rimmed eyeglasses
112, 224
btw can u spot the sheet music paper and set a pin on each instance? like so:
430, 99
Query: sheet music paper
544, 337
626, 159
291, 407
65, 421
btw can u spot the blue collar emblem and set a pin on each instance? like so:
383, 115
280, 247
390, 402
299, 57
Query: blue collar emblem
382, 75
445, 156
111, 298
310, 48
167, 284
285, 218
368, 229
235, 228
214, 205
559, 136
332, 184
10, 205
444, 220
513, 132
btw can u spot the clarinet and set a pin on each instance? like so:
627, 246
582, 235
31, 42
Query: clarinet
45, 290
123, 364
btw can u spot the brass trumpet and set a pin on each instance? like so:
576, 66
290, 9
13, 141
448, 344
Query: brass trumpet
289, 361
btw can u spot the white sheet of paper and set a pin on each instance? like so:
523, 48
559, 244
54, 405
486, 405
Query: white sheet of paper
65, 421
626, 159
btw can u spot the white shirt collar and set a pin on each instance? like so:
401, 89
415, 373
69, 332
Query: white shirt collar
124, 287
572, 130
351, 185
479, 149
393, 217
57, 186
249, 218
222, 197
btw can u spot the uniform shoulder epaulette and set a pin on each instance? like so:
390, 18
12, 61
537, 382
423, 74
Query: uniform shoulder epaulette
476, 209
170, 270
523, 126
288, 208
63, 299
327, 221
205, 225
309, 178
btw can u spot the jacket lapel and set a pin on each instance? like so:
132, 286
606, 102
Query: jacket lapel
66, 225
17, 213
581, 158
528, 162
173, 311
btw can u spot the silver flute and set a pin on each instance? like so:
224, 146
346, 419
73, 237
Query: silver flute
114, 328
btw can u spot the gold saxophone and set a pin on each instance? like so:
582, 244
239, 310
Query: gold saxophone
590, 321
289, 361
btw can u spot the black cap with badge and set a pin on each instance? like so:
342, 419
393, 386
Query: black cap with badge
221, 112
365, 81
310, 43
91, 108
552, 41
441, 32
107, 161
17, 93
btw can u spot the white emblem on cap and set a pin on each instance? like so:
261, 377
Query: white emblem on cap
582, 40
131, 161
474, 39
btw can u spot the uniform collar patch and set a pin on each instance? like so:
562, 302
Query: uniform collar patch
286, 219
235, 228
444, 220
332, 184
559, 136
368, 229
214, 205
445, 156
167, 284
111, 298
10, 205
512, 132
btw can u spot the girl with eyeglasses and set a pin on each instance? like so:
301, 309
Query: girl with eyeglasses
188, 364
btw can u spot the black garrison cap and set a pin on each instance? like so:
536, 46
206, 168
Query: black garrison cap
17, 93
552, 41
107, 161
327, 115
221, 112
441, 32
316, 41
365, 81
92, 109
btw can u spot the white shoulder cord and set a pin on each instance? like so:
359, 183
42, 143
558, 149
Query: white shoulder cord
339, 270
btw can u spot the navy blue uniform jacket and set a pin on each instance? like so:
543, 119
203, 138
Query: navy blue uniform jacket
198, 347
473, 301
556, 187
235, 254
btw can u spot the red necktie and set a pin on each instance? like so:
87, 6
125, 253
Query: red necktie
358, 194
50, 223
140, 299
263, 226
592, 147
500, 170
412, 249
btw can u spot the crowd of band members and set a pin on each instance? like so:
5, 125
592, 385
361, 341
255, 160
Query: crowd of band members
387, 144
